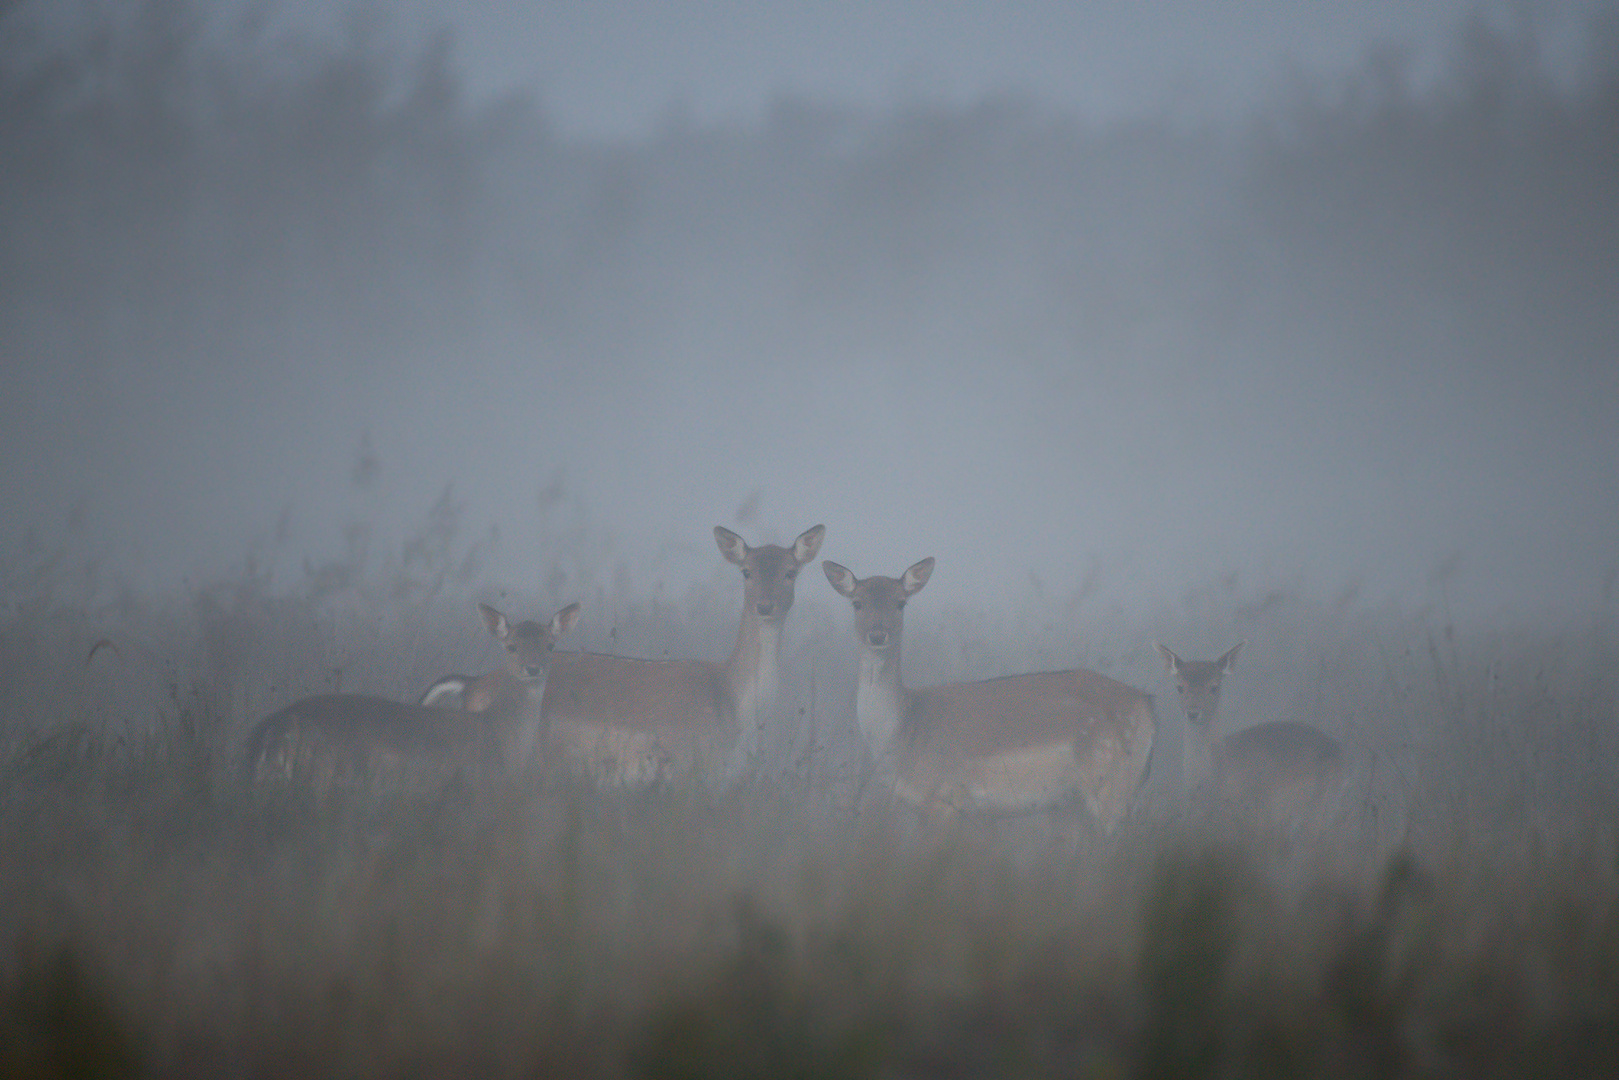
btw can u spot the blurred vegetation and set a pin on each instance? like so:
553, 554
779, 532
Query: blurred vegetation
1458, 915
353, 182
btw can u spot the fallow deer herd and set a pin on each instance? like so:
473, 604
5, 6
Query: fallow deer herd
1018, 743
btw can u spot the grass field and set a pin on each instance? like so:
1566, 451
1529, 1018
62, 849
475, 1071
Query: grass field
1458, 916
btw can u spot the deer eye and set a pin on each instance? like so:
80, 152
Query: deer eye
746, 572
857, 605
511, 648
901, 604
791, 574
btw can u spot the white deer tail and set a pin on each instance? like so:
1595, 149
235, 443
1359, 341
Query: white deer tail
444, 688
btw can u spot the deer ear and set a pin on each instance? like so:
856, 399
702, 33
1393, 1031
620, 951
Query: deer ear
563, 620
808, 544
495, 621
1229, 660
841, 577
917, 576
732, 546
1171, 661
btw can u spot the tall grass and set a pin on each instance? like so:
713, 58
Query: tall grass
1461, 917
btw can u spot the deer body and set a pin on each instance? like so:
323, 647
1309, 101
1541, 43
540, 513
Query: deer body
332, 735
1016, 743
509, 698
349, 737
1271, 774
629, 721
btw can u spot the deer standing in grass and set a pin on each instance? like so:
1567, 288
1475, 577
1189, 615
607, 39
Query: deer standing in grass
1017, 743
1272, 774
351, 735
627, 721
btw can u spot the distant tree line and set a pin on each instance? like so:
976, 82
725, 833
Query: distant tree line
184, 191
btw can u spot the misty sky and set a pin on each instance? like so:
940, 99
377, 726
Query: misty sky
619, 68
1319, 294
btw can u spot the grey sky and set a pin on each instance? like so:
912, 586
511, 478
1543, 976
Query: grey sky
618, 67
1026, 345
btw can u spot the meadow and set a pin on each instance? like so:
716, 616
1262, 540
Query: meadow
1457, 916
1369, 323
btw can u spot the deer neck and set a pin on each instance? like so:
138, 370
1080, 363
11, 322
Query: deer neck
530, 692
501, 692
752, 674
880, 698
528, 723
1197, 753
522, 694
515, 717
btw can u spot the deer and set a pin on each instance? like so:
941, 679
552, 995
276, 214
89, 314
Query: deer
1271, 774
1019, 743
350, 734
625, 721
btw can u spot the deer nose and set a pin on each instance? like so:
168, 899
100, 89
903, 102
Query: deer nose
877, 639
765, 609
532, 669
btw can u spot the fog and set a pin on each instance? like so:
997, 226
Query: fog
620, 68
319, 323
259, 286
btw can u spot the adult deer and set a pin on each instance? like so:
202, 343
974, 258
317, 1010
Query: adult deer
1271, 774
1021, 742
628, 721
349, 735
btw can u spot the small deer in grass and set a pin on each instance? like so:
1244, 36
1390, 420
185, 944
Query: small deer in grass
1272, 774
348, 735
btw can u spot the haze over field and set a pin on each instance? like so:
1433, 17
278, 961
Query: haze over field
1281, 326
1346, 326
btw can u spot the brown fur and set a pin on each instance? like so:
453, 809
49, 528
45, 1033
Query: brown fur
959, 736
1281, 769
356, 735
978, 718
528, 647
498, 692
1270, 775
625, 720
1018, 742
620, 717
333, 738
